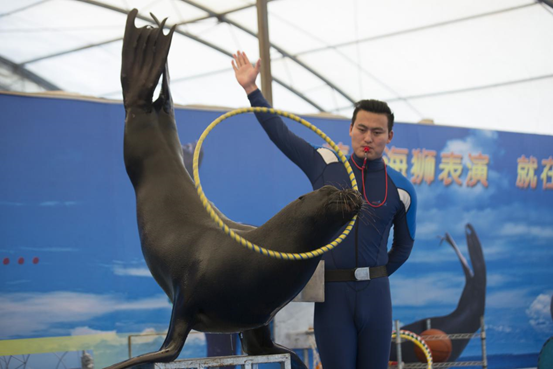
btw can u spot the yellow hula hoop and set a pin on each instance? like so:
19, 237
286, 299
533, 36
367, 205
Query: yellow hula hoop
240, 239
417, 340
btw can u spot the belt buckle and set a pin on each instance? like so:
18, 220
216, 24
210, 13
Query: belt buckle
362, 274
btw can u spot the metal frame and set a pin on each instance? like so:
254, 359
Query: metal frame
21, 71
248, 362
265, 50
449, 364
220, 17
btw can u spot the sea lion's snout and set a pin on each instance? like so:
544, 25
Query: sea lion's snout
349, 201
354, 201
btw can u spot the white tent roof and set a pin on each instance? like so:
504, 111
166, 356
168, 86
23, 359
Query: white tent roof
474, 63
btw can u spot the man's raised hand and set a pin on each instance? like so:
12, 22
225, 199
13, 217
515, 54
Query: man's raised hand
245, 72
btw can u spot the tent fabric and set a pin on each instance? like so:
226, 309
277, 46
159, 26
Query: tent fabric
482, 64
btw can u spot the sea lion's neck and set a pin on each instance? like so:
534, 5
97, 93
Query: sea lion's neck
286, 233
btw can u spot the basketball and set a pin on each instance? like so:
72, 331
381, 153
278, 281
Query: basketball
440, 347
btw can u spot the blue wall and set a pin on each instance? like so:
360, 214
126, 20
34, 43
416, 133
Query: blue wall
67, 208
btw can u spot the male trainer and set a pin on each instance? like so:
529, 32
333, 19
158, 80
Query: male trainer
353, 327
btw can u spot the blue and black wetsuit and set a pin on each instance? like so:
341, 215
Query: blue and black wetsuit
353, 326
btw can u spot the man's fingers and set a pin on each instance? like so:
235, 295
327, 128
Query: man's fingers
246, 60
237, 59
234, 66
242, 58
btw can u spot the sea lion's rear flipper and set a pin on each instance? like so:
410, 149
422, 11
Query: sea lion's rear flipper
258, 342
179, 329
165, 99
149, 127
144, 59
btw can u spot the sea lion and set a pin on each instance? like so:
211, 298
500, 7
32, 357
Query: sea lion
470, 308
215, 284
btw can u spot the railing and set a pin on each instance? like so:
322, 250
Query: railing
248, 362
454, 336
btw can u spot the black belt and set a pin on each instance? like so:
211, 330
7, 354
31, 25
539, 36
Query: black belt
358, 274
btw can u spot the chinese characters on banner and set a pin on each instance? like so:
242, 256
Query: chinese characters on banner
527, 173
423, 167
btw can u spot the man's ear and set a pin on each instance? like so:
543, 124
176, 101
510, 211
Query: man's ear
390, 136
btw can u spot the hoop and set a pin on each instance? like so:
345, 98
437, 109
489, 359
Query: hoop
418, 341
240, 239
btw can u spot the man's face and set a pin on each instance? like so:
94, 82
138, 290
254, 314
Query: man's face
370, 130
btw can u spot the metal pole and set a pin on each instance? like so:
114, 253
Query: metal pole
398, 347
264, 50
483, 339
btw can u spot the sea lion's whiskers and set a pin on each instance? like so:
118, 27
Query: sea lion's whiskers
340, 186
367, 215
363, 218
354, 196
342, 201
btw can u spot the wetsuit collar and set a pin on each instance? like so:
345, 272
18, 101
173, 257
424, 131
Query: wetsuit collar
376, 164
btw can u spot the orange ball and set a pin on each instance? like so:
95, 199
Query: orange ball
440, 347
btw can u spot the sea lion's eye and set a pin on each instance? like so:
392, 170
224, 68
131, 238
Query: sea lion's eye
300, 198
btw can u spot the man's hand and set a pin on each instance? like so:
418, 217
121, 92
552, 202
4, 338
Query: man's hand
245, 72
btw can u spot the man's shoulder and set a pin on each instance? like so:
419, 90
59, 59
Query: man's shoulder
400, 180
329, 156
405, 188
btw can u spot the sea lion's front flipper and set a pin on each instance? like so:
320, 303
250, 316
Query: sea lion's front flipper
179, 329
258, 342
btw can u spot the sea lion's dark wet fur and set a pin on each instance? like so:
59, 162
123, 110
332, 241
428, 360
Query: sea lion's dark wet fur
215, 284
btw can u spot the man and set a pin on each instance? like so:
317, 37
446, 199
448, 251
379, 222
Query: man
353, 326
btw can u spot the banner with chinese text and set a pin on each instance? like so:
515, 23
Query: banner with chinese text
69, 235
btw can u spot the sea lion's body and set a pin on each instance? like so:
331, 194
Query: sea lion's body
215, 284
232, 288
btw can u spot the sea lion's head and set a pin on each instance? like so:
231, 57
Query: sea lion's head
344, 203
340, 206
314, 219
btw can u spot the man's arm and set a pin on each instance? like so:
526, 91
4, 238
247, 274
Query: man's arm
404, 228
294, 147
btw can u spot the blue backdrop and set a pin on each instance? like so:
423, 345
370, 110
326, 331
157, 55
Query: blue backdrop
70, 258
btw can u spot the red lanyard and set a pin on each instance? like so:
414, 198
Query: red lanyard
362, 169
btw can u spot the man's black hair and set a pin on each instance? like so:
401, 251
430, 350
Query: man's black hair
377, 107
